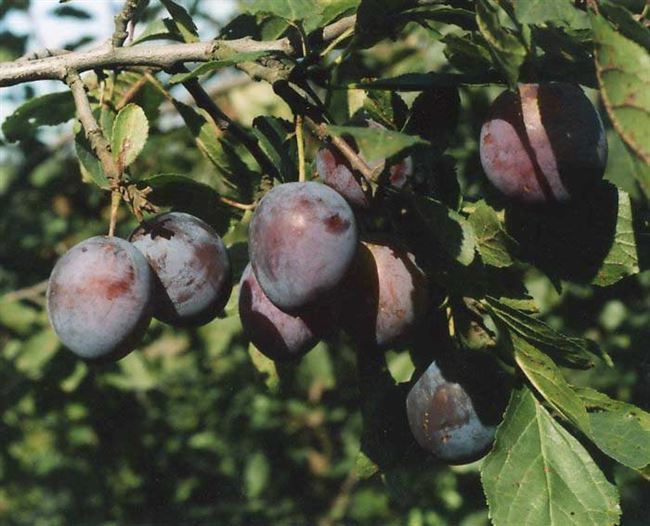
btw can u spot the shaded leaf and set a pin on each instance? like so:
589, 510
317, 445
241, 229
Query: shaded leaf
623, 69
183, 20
214, 65
570, 351
508, 50
47, 110
557, 12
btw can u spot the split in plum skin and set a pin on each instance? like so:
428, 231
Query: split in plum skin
302, 240
454, 407
386, 295
277, 334
191, 268
543, 144
99, 298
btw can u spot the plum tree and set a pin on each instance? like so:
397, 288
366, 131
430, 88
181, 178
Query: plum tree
277, 334
454, 407
191, 268
544, 143
99, 298
387, 295
302, 240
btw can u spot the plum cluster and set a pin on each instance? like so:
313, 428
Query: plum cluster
104, 291
313, 269
310, 273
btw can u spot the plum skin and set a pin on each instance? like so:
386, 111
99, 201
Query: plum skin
99, 298
278, 335
387, 295
454, 415
302, 240
191, 268
543, 144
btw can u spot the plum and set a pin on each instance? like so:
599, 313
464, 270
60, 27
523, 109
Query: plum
335, 171
99, 298
277, 334
302, 240
387, 295
191, 267
454, 407
543, 144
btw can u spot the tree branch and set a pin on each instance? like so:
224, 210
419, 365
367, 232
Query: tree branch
107, 57
97, 141
122, 21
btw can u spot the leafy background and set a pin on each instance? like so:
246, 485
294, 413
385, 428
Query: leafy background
196, 426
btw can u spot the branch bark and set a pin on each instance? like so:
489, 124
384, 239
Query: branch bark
107, 57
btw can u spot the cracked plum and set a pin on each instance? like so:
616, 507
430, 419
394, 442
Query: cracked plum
303, 238
454, 407
544, 143
388, 295
277, 334
191, 268
99, 298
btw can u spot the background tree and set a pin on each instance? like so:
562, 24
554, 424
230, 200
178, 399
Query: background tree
197, 426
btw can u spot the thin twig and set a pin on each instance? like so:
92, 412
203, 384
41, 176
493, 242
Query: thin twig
132, 92
236, 204
122, 20
301, 149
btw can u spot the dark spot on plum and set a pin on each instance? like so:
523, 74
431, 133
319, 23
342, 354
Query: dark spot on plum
335, 224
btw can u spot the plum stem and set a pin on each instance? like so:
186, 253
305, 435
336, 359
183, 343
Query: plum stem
301, 149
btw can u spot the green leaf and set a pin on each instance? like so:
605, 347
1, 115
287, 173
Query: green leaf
256, 474
187, 195
539, 475
266, 367
376, 144
425, 81
566, 350
453, 232
292, 10
17, 317
130, 132
71, 11
36, 352
276, 137
620, 430
547, 379
183, 20
493, 241
557, 12
591, 241
623, 69
91, 168
469, 52
622, 259
47, 110
165, 29
214, 65
508, 50
334, 8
